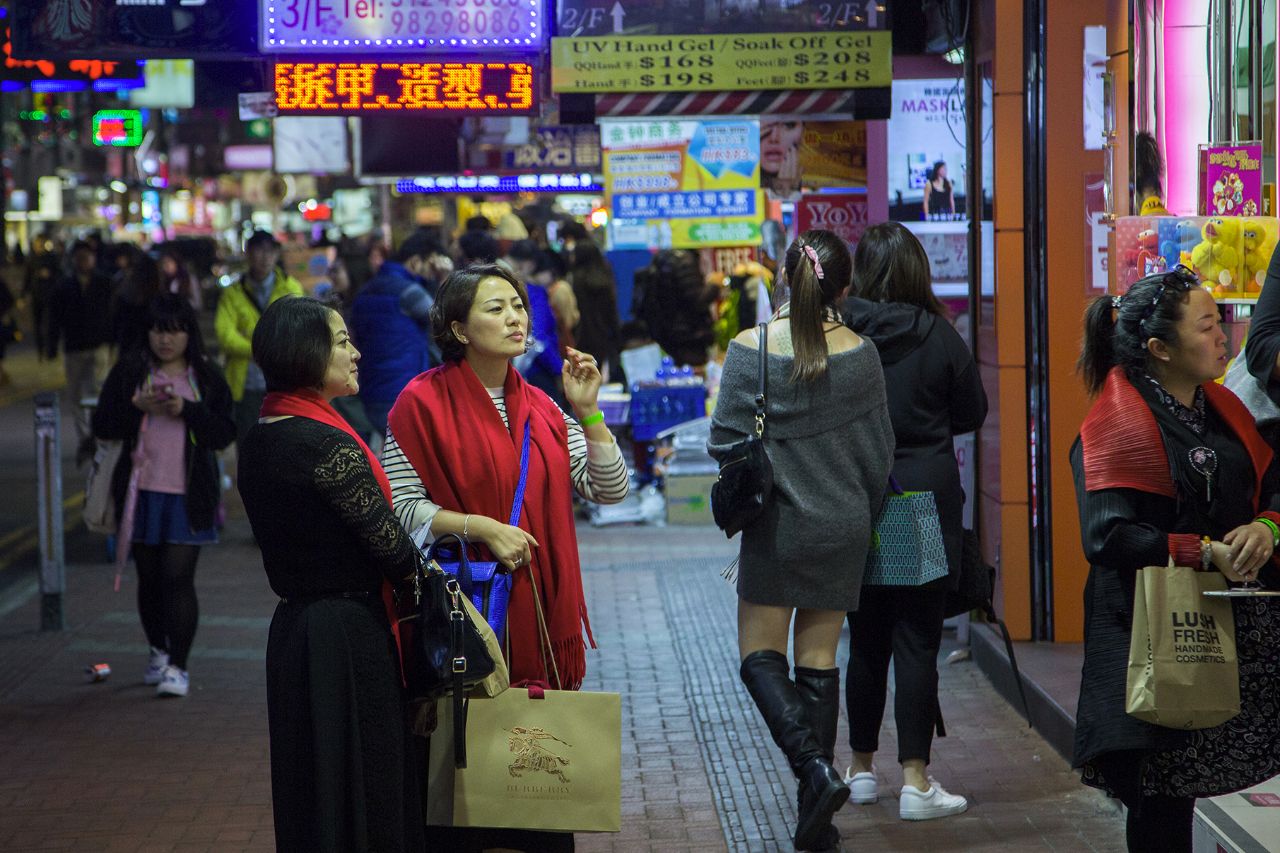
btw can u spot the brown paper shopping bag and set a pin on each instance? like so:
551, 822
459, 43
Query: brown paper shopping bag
551, 763
1183, 672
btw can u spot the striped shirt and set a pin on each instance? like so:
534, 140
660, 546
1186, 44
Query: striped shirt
597, 470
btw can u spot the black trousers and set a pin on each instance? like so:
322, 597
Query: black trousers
1155, 824
905, 624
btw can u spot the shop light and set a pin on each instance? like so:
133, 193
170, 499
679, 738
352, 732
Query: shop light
119, 186
599, 218
955, 56
554, 182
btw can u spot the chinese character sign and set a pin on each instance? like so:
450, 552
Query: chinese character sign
335, 88
361, 26
692, 183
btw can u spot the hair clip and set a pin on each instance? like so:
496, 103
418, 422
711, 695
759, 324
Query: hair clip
813, 258
1115, 302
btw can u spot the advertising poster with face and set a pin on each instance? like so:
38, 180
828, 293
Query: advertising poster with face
796, 155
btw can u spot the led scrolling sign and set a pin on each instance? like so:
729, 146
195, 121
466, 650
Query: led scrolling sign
351, 26
362, 88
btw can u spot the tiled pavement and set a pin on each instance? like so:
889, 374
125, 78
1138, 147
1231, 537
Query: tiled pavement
100, 767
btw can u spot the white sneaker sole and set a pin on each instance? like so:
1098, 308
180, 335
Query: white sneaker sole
170, 690
860, 799
934, 812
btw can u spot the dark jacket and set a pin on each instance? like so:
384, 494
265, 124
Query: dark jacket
80, 317
209, 427
935, 394
1263, 344
389, 324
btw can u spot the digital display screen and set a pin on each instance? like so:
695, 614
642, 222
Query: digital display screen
354, 26
551, 182
118, 128
358, 88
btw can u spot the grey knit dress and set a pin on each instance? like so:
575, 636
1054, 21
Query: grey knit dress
831, 444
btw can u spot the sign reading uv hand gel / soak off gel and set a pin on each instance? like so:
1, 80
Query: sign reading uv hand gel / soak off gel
682, 184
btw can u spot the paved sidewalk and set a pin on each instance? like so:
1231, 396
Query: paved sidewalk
108, 767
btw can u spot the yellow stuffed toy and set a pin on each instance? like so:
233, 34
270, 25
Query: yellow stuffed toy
1259, 237
1217, 258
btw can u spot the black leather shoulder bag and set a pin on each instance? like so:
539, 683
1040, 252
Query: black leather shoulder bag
746, 474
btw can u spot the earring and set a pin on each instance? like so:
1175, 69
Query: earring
461, 340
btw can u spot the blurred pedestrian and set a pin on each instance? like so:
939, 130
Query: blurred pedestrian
674, 302
542, 361
239, 308
391, 323
8, 328
176, 277
171, 407
828, 434
454, 459
1169, 466
43, 272
139, 284
935, 394
597, 298
79, 319
341, 773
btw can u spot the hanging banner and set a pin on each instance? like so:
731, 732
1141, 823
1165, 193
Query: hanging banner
705, 63
683, 184
646, 17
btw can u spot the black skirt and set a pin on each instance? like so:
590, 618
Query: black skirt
341, 777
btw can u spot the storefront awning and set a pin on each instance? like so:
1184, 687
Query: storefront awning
867, 104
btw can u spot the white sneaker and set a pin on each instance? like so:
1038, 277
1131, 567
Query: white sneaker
174, 682
915, 804
863, 788
155, 667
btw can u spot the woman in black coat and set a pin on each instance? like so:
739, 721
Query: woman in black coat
935, 394
172, 409
1140, 464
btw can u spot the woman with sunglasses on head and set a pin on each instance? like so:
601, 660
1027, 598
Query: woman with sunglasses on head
1169, 465
830, 442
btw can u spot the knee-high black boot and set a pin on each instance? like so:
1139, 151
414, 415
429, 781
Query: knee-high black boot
767, 677
820, 691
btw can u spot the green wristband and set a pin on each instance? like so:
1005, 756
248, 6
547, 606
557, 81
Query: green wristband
1275, 531
597, 417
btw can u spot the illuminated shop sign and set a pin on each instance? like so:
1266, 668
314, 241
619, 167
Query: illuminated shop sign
557, 183
118, 128
354, 26
335, 88
49, 75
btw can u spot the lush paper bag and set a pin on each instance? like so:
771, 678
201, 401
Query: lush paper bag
1183, 671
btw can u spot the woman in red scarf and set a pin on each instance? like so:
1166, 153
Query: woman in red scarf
342, 775
453, 451
1169, 465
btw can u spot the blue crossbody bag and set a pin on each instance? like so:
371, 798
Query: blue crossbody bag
488, 589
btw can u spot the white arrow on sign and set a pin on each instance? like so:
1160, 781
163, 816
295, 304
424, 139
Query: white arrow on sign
618, 14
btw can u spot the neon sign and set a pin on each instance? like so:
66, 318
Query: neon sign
337, 88
118, 128
549, 182
351, 26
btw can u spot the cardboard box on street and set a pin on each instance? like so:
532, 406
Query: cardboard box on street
689, 498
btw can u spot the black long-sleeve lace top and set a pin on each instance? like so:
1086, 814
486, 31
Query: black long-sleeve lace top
320, 518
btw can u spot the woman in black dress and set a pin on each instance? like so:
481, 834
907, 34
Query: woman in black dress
319, 503
1169, 465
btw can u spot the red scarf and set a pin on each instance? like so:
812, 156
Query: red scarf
305, 403
1123, 448
469, 461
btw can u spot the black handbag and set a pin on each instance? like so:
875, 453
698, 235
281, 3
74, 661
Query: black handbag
445, 654
741, 491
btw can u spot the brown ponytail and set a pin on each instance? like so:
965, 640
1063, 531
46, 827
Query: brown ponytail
818, 269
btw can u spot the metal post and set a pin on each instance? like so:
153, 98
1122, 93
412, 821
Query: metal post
53, 569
